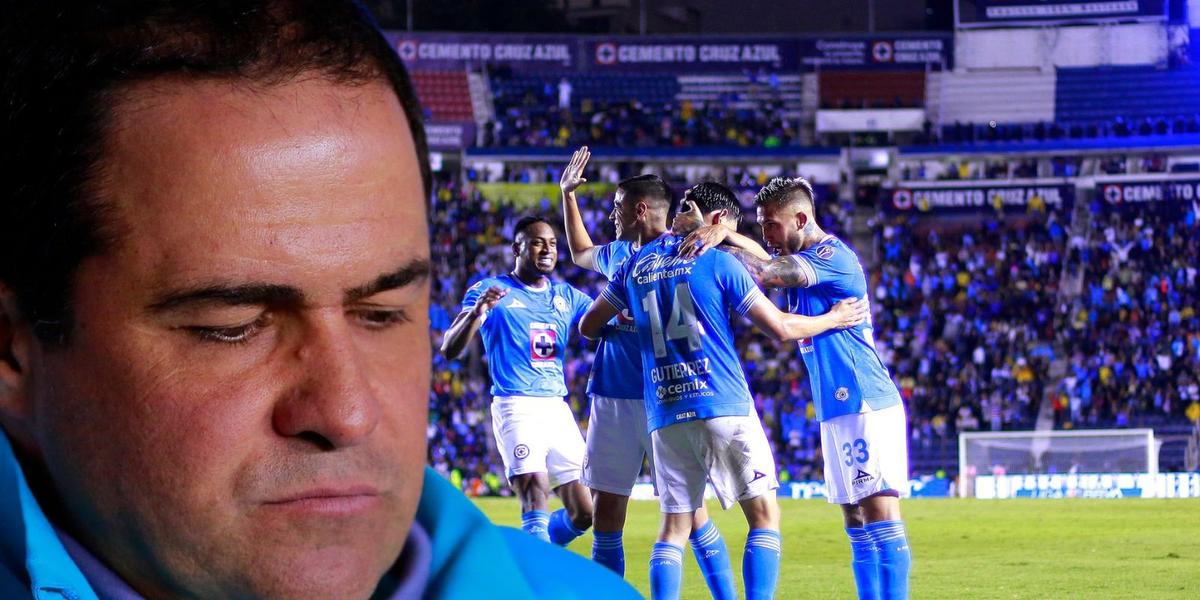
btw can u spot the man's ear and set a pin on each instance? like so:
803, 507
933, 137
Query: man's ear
516, 248
16, 346
801, 219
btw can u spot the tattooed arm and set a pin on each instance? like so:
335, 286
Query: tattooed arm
778, 272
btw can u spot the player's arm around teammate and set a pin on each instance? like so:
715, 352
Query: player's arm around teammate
788, 327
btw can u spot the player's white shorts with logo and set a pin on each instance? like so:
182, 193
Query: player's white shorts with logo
538, 435
730, 452
865, 454
617, 444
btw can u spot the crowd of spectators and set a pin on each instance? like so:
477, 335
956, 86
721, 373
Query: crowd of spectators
1133, 339
1030, 168
965, 319
970, 133
527, 118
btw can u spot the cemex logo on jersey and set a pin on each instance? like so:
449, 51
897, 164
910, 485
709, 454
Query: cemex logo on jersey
543, 342
653, 266
862, 478
516, 304
805, 344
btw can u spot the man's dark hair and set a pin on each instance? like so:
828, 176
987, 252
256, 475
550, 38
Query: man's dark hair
783, 190
650, 189
710, 195
526, 222
63, 68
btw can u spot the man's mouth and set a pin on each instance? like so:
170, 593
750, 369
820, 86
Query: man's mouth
329, 501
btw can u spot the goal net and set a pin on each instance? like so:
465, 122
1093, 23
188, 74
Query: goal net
1005, 464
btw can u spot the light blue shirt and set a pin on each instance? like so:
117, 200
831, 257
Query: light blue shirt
617, 370
525, 336
844, 369
681, 310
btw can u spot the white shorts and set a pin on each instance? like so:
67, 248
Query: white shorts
865, 454
732, 453
617, 444
538, 435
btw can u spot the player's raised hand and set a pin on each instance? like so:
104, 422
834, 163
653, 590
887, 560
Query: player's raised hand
702, 240
850, 312
572, 176
488, 300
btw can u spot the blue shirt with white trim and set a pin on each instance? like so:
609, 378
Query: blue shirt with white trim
681, 310
844, 370
525, 336
617, 370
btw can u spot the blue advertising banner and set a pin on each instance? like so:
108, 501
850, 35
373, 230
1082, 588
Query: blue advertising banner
667, 54
456, 51
691, 54
967, 198
1024, 12
1135, 192
876, 53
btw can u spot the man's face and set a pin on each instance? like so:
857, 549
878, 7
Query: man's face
537, 246
781, 228
238, 412
688, 217
624, 217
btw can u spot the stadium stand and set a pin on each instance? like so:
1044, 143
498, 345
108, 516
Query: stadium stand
1073, 318
980, 97
444, 94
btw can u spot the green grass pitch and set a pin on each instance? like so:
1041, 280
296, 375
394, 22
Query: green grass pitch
1028, 549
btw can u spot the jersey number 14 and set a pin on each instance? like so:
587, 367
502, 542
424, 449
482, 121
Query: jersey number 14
681, 325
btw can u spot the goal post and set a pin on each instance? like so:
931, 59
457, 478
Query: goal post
999, 464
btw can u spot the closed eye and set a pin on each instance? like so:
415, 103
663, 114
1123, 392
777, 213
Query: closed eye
229, 334
381, 318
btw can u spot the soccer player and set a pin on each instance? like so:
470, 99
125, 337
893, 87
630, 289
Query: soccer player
526, 321
863, 424
617, 439
699, 409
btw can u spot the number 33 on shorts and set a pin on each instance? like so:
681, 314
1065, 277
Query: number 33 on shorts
856, 452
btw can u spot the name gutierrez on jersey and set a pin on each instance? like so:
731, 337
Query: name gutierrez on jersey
679, 370
674, 265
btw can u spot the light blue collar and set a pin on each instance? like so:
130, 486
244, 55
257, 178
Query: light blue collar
51, 571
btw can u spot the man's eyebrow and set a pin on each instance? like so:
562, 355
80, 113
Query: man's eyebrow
413, 272
231, 295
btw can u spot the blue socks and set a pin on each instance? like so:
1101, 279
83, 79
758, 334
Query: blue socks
608, 551
562, 530
864, 561
894, 558
760, 563
537, 524
713, 558
666, 571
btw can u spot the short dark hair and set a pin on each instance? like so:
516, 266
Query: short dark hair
710, 195
649, 188
61, 74
782, 190
526, 222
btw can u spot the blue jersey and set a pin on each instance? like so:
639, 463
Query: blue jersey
617, 372
525, 335
845, 371
681, 310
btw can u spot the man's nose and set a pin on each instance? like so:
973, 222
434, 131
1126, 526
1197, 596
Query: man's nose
332, 403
